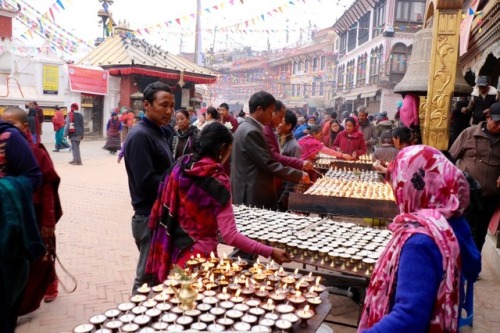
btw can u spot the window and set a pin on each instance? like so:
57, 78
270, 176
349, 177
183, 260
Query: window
361, 70
323, 63
376, 64
410, 10
294, 67
321, 88
315, 64
340, 78
364, 28
399, 59
353, 32
343, 45
299, 67
378, 18
306, 92
313, 89
306, 66
350, 74
293, 89
298, 89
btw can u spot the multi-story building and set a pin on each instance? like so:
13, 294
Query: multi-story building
374, 47
310, 69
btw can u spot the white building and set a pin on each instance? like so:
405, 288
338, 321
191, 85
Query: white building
374, 47
31, 74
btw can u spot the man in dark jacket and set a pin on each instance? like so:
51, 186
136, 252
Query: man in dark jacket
482, 97
74, 131
477, 151
147, 158
253, 169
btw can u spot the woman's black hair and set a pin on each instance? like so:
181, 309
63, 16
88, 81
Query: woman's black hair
213, 113
209, 141
351, 119
404, 134
184, 112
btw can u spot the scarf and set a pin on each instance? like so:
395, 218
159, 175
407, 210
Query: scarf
429, 190
310, 147
189, 199
356, 133
409, 110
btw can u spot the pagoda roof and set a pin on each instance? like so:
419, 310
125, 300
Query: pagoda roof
125, 54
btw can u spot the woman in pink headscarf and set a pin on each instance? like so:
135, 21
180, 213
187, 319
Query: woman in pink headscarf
409, 114
311, 145
351, 140
415, 285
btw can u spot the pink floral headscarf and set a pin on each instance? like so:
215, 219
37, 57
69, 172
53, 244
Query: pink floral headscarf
428, 190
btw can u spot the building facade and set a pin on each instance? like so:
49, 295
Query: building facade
374, 47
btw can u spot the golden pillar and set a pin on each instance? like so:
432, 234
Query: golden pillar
443, 16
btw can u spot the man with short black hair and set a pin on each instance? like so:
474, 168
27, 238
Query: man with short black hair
147, 158
227, 118
253, 169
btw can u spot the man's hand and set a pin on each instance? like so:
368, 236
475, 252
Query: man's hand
305, 178
308, 165
347, 157
280, 256
464, 110
47, 232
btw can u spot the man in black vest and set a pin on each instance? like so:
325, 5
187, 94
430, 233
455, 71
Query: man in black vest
482, 97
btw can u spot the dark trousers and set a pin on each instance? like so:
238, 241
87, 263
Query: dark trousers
480, 219
142, 237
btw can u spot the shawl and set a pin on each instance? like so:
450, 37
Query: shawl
183, 142
58, 120
356, 133
310, 147
189, 200
20, 240
409, 110
429, 190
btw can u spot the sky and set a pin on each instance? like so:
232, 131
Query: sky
225, 24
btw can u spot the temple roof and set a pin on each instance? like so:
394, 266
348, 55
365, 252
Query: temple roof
126, 54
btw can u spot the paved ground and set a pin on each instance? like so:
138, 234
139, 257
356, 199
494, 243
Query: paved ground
95, 245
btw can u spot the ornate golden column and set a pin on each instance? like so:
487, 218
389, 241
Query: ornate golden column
443, 16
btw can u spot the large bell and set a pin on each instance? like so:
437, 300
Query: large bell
416, 78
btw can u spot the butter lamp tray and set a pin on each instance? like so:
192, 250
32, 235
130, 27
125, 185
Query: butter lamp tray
341, 206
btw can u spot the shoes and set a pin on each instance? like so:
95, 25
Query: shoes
50, 297
75, 163
55, 150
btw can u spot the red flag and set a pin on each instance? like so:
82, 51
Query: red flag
178, 20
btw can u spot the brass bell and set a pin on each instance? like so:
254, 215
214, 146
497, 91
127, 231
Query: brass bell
416, 78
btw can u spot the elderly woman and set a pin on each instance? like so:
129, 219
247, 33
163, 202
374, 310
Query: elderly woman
184, 136
351, 140
195, 206
415, 285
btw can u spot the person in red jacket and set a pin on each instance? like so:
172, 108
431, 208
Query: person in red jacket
351, 140
58, 122
46, 201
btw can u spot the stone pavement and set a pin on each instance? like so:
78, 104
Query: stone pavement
95, 244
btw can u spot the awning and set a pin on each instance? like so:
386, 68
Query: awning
371, 93
351, 97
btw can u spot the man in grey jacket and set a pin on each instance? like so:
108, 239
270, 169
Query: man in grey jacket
368, 128
253, 169
74, 131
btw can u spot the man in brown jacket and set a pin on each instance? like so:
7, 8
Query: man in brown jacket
477, 151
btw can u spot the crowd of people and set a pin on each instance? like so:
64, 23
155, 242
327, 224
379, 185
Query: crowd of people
186, 170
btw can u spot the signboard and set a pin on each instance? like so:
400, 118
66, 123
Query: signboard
88, 80
465, 26
50, 79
